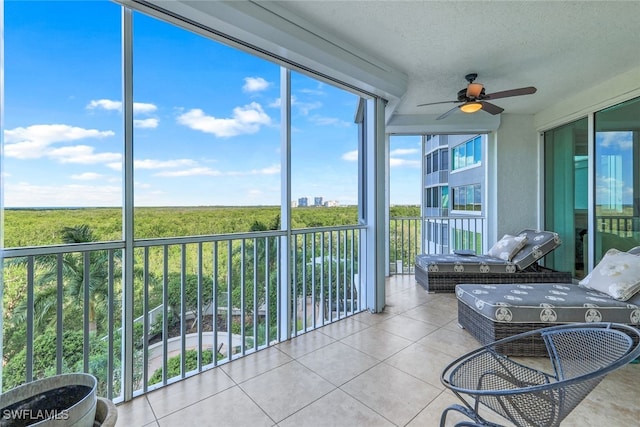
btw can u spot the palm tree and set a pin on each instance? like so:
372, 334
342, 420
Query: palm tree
73, 273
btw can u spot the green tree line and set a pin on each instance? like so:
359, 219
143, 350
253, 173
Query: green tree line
42, 227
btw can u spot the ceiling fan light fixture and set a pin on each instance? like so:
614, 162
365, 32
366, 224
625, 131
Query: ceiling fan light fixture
474, 90
471, 107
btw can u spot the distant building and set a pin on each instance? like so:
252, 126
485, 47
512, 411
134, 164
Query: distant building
294, 204
453, 192
303, 201
331, 203
317, 201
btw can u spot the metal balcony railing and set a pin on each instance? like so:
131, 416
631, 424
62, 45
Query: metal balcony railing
411, 236
198, 302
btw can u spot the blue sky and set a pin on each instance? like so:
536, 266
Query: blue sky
206, 116
614, 180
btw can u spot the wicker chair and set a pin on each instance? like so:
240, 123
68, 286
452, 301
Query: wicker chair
581, 355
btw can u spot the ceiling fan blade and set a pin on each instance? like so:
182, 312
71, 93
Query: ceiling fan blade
435, 103
447, 113
491, 108
513, 92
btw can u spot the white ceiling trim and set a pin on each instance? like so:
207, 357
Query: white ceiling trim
456, 123
621, 88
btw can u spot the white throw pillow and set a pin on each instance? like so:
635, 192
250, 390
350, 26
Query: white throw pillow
617, 274
507, 247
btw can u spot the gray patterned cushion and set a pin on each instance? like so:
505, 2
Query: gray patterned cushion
539, 243
547, 303
507, 247
464, 263
617, 274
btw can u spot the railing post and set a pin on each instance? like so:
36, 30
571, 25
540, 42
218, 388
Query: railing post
284, 284
127, 213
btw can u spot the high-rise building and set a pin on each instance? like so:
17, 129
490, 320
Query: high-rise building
303, 201
317, 201
453, 191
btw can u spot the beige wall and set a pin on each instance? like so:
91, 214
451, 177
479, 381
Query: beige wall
513, 177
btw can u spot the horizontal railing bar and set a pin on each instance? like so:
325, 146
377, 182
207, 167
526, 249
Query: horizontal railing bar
140, 243
61, 249
329, 228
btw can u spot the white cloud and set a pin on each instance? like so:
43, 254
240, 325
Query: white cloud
163, 164
624, 140
143, 108
104, 104
199, 171
246, 120
305, 107
31, 195
32, 142
314, 92
404, 151
329, 121
271, 170
394, 162
146, 123
276, 103
155, 164
255, 84
111, 105
83, 154
87, 176
117, 166
350, 156
205, 171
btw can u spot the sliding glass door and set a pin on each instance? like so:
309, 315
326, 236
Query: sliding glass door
566, 192
617, 173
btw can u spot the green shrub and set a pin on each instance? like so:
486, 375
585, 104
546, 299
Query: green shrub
191, 363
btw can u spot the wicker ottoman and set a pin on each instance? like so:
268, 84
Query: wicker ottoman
446, 281
493, 312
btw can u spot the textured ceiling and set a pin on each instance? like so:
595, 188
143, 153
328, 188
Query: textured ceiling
558, 46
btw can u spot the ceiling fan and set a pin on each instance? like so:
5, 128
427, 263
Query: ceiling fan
473, 98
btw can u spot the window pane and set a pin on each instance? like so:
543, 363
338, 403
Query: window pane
477, 150
324, 149
456, 160
469, 149
470, 196
445, 197
62, 149
444, 160
565, 180
617, 177
463, 198
206, 132
477, 197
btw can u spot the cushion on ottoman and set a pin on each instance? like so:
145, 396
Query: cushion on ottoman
493, 312
547, 303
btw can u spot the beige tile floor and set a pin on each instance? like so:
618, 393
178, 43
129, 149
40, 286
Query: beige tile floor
367, 370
